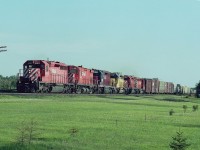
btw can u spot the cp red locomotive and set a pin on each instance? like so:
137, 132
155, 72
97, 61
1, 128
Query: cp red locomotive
42, 76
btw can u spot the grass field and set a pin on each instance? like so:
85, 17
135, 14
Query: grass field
97, 122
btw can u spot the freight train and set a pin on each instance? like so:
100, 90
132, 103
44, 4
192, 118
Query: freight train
52, 76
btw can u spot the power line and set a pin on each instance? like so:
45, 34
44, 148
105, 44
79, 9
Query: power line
3, 50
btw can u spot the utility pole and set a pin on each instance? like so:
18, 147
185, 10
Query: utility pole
3, 50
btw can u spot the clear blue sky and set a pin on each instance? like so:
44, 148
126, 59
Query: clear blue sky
146, 38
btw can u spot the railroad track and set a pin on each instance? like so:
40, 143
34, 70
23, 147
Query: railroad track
51, 94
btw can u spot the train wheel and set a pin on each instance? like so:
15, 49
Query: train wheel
78, 91
64, 91
50, 89
33, 90
44, 90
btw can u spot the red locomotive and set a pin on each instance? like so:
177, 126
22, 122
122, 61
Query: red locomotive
139, 82
42, 76
80, 79
130, 84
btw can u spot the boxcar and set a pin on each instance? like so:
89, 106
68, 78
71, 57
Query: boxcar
178, 89
186, 90
155, 85
170, 88
162, 87
148, 86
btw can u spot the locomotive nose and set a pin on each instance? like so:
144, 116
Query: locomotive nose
31, 74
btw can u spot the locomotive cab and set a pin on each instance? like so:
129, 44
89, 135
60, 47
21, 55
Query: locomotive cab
101, 77
130, 84
73, 74
32, 74
80, 79
118, 82
42, 76
102, 81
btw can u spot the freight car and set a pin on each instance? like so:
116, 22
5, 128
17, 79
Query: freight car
178, 90
155, 86
186, 90
170, 88
148, 86
162, 87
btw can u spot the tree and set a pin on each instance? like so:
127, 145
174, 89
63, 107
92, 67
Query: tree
8, 83
179, 142
198, 90
171, 112
184, 108
195, 107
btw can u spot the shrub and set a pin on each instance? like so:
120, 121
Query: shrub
195, 107
26, 132
171, 112
179, 142
22, 135
73, 131
184, 108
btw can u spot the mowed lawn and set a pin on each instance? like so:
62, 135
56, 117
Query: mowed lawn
98, 122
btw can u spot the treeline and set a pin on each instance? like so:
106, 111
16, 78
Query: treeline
197, 88
8, 83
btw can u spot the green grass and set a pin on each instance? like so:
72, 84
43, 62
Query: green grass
102, 122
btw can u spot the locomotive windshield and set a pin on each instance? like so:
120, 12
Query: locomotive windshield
32, 66
74, 71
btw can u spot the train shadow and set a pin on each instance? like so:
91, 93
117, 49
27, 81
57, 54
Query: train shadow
133, 100
16, 146
187, 125
130, 98
171, 99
